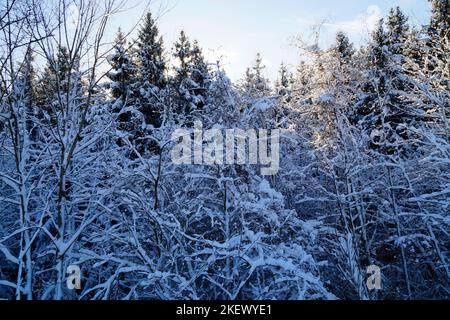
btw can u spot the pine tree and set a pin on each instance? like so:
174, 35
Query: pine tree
383, 109
192, 76
376, 60
201, 77
123, 89
440, 18
397, 30
261, 83
437, 45
200, 72
249, 79
398, 114
302, 82
151, 54
283, 83
414, 47
343, 48
56, 71
61, 79
182, 53
151, 80
255, 84
123, 70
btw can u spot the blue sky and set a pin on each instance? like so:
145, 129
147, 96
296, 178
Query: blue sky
238, 29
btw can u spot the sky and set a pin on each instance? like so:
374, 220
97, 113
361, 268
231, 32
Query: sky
236, 30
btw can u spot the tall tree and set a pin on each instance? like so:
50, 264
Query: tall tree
59, 83
397, 30
151, 54
192, 76
343, 48
438, 42
123, 69
151, 80
440, 18
124, 90
182, 52
255, 84
283, 82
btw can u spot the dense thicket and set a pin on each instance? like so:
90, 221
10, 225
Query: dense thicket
86, 175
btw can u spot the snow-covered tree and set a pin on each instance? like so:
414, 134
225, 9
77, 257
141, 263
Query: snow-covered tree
255, 84
284, 82
87, 176
123, 70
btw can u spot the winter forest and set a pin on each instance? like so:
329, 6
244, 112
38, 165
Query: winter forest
87, 179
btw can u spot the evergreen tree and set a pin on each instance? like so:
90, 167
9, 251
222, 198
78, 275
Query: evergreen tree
343, 48
255, 84
60, 81
377, 55
397, 30
440, 18
283, 83
248, 80
260, 83
414, 47
56, 71
192, 76
302, 82
123, 70
200, 71
438, 42
123, 89
182, 53
151, 81
384, 109
151, 54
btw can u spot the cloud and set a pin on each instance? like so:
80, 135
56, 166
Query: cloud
362, 23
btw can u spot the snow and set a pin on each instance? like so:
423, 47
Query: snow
87, 176
263, 104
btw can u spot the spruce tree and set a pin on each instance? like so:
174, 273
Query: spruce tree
56, 71
343, 48
182, 53
151, 54
283, 82
255, 84
200, 75
192, 76
440, 18
397, 30
261, 83
200, 72
60, 80
248, 80
123, 90
437, 45
151, 80
123, 70
383, 109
